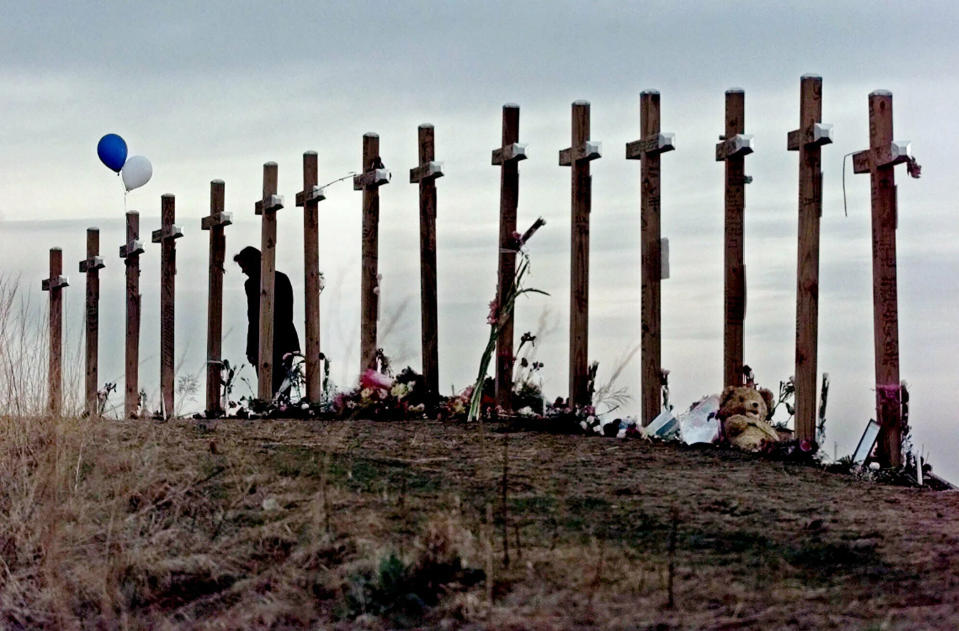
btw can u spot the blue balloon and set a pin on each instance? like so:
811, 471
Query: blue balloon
112, 151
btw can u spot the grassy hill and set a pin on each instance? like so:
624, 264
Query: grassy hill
290, 524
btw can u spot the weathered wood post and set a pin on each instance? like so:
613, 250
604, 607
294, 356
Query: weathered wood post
215, 222
648, 148
733, 148
167, 236
425, 175
578, 156
92, 266
507, 157
369, 181
808, 140
266, 208
879, 161
309, 199
131, 251
55, 284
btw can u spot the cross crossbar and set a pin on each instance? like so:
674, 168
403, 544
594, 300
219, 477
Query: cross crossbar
55, 282
315, 194
890, 155
738, 145
655, 143
426, 171
514, 151
133, 247
589, 150
167, 232
374, 178
271, 203
817, 134
216, 219
92, 263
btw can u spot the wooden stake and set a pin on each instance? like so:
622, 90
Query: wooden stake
92, 266
131, 251
879, 161
734, 147
55, 285
167, 236
578, 156
425, 174
373, 176
215, 222
267, 208
648, 149
808, 140
309, 199
507, 157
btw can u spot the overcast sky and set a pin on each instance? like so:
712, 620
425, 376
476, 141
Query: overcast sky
215, 89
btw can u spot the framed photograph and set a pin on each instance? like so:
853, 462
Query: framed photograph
866, 443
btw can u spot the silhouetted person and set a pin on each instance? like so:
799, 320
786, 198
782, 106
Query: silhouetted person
285, 339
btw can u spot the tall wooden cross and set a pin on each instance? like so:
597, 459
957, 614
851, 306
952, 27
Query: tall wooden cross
425, 175
578, 156
648, 149
879, 161
266, 208
309, 199
808, 140
507, 157
373, 175
131, 251
215, 222
167, 236
92, 266
55, 284
734, 146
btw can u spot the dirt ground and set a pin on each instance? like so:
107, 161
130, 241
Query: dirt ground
290, 524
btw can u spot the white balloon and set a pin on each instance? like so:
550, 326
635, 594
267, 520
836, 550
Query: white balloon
136, 172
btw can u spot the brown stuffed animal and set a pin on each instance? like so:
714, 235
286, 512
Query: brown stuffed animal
744, 412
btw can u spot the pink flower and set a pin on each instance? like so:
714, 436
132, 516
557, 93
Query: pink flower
493, 316
375, 380
806, 445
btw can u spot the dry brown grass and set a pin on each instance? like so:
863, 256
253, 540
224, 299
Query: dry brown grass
275, 524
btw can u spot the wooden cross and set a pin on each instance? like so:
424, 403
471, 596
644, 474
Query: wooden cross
733, 148
648, 150
131, 251
578, 156
215, 222
92, 266
309, 199
879, 161
373, 176
808, 140
507, 157
167, 236
55, 284
266, 208
425, 175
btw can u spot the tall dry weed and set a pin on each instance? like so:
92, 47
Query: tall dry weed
24, 352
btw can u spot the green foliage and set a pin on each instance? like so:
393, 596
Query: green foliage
401, 592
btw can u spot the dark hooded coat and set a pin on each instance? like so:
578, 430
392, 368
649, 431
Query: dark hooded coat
285, 339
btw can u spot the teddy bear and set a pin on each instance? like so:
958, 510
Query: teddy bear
744, 413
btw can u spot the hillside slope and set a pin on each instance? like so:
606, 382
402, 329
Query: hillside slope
288, 524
